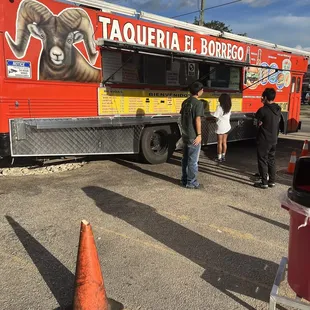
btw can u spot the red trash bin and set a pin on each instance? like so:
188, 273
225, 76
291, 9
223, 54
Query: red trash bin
298, 204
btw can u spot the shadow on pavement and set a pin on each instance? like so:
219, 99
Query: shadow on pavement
137, 168
226, 270
58, 278
241, 160
176, 161
272, 222
215, 170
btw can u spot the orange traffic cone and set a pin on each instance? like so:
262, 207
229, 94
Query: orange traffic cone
305, 148
89, 291
292, 163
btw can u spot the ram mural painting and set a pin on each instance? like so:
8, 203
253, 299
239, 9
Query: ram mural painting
60, 59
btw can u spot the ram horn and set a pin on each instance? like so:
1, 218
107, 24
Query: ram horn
78, 20
29, 12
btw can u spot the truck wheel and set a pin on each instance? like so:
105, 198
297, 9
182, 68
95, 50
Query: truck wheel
158, 143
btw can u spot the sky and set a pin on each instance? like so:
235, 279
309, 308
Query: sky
284, 22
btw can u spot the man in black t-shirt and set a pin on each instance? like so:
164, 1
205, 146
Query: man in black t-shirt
268, 120
191, 112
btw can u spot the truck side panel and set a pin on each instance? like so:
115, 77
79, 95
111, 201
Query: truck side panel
4, 135
282, 70
34, 84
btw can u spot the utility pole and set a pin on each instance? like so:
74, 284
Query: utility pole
201, 13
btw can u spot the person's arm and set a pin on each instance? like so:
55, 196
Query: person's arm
199, 113
259, 116
217, 112
198, 129
182, 107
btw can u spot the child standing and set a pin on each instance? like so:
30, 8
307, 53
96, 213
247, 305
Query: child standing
223, 126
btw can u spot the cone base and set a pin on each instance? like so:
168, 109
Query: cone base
112, 305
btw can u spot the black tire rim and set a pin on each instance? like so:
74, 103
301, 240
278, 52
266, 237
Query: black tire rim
159, 143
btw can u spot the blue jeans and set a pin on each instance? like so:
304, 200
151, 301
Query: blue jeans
190, 164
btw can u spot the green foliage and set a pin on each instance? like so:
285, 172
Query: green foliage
218, 25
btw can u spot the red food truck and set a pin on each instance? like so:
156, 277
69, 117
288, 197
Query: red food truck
87, 77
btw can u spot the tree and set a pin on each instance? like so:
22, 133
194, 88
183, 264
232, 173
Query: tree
218, 25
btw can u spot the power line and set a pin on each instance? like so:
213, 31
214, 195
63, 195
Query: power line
206, 9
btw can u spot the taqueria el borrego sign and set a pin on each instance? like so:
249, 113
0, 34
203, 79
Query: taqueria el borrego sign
153, 35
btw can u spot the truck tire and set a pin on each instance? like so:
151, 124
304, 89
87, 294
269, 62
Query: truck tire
158, 143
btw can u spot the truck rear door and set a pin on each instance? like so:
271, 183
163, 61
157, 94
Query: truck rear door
294, 104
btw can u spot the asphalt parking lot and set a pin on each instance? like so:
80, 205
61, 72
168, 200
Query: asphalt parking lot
161, 246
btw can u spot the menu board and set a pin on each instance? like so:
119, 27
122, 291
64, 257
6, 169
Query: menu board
173, 78
143, 102
234, 81
130, 74
172, 75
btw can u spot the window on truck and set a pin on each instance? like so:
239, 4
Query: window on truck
298, 85
220, 76
148, 69
293, 85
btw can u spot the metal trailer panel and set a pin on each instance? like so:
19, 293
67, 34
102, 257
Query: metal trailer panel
91, 136
27, 139
242, 128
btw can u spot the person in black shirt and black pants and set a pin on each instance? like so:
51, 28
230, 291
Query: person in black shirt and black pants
268, 120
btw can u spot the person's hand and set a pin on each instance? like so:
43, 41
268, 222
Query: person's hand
197, 141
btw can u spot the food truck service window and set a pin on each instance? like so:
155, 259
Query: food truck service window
127, 67
220, 76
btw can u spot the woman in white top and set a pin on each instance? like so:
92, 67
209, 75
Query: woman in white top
223, 126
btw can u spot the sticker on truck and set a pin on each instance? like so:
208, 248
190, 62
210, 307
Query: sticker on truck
18, 69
